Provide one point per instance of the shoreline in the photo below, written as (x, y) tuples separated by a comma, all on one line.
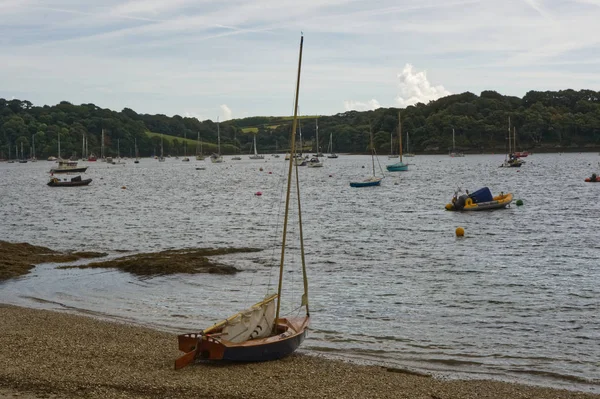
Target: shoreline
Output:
[(52, 354)]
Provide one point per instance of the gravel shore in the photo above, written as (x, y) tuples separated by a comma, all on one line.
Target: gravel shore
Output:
[(45, 354)]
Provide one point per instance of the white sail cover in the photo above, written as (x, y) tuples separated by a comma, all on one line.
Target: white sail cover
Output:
[(256, 322)]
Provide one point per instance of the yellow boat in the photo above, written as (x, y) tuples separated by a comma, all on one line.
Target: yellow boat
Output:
[(478, 201)]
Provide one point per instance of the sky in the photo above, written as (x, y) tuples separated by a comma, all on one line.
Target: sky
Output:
[(233, 59)]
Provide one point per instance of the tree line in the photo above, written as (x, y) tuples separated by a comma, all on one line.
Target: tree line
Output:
[(543, 121)]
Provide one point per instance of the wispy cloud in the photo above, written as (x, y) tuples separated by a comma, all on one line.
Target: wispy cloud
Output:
[(179, 56), (226, 113), (350, 105)]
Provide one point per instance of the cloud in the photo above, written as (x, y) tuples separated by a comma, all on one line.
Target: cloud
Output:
[(226, 113), (350, 105), (415, 88)]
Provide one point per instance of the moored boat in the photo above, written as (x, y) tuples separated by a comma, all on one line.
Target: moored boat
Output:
[(75, 181), (480, 200), (592, 179), (65, 166)]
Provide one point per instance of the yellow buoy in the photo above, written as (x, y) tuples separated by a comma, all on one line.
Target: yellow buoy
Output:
[(460, 232)]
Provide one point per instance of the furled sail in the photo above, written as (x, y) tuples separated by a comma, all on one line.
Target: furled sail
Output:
[(256, 322)]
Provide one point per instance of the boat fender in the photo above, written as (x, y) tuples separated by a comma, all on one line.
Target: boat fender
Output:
[(468, 202)]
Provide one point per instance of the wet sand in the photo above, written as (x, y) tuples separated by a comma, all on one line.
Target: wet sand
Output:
[(46, 354)]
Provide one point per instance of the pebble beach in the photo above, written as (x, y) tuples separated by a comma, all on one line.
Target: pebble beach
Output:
[(49, 354)]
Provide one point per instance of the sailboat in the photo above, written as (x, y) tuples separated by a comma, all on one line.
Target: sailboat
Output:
[(119, 160), (454, 153), (258, 333), (319, 153), (398, 166), (392, 155), (330, 148), (102, 157), (162, 157), (185, 157), (217, 158), (256, 155), (276, 155), (511, 160), (22, 160), (16, 156), (373, 180), (408, 153), (199, 156), (236, 157), (299, 157), (137, 156), (33, 158)]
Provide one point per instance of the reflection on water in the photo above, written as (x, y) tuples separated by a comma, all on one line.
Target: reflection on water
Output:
[(517, 298)]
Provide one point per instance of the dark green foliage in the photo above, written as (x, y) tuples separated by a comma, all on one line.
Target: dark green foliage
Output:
[(543, 120)]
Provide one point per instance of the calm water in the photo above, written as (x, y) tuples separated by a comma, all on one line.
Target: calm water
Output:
[(517, 299)]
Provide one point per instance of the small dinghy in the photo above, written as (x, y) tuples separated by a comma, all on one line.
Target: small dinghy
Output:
[(593, 179)]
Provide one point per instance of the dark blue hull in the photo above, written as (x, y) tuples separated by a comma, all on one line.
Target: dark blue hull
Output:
[(261, 353)]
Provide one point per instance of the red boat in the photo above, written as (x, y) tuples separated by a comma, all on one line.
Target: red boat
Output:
[(92, 158), (521, 154)]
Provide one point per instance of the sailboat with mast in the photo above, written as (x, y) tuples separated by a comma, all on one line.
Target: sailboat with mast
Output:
[(162, 156), (258, 333), (319, 153), (217, 157), (330, 148), (398, 166), (199, 155), (511, 160), (185, 157), (137, 155), (373, 180), (454, 153), (237, 156), (392, 155), (256, 155), (408, 153)]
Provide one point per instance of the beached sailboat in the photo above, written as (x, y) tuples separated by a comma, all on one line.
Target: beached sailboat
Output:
[(373, 180), (256, 155), (217, 158), (258, 333), (454, 153), (330, 148), (398, 166)]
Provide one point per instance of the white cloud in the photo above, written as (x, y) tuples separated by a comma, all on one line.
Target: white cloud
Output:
[(350, 105), (415, 88), (226, 113)]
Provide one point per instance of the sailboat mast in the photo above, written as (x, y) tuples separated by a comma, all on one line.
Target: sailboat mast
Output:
[(317, 124), (372, 150), (82, 145), (59, 145), (287, 198), (399, 136), (219, 138), (509, 151), (102, 146), (514, 139), (33, 141)]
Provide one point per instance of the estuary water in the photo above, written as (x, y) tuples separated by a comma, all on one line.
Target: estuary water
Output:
[(518, 298)]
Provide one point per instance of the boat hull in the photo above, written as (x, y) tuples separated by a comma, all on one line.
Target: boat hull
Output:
[(397, 167), (85, 182), (71, 170), (367, 183), (292, 332), (499, 202)]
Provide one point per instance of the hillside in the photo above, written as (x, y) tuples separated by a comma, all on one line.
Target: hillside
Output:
[(544, 121)]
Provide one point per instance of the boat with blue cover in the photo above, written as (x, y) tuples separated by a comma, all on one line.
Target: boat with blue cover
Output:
[(480, 200)]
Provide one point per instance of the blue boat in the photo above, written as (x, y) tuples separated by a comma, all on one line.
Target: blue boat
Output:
[(398, 166), (370, 182)]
